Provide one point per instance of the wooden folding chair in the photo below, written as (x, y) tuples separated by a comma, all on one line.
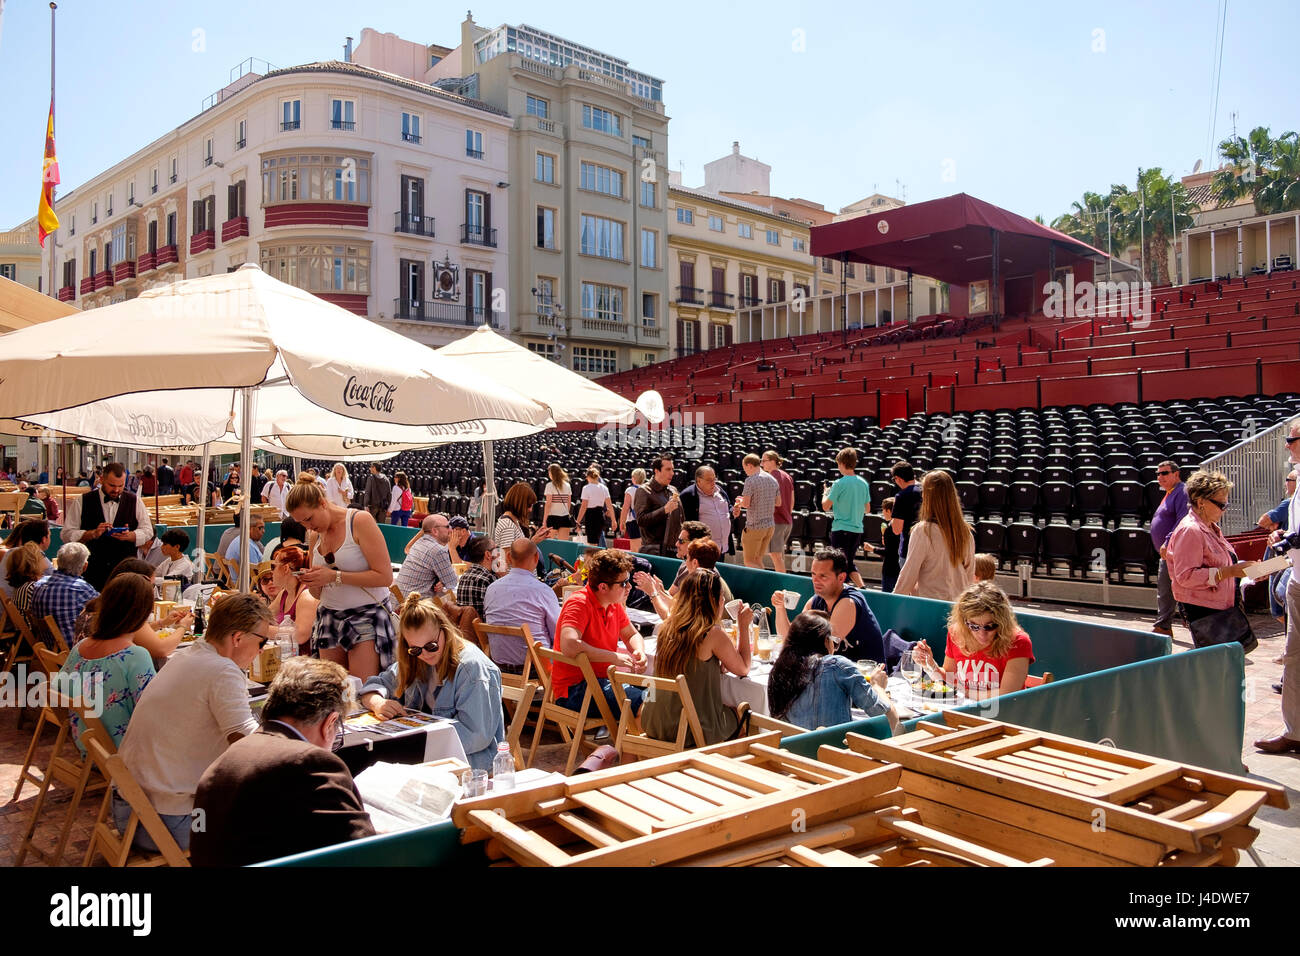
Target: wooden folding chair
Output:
[(73, 771), (106, 841), (396, 592), (56, 634), (572, 724), (49, 715), (518, 690), (631, 740), (23, 648), (1033, 681)]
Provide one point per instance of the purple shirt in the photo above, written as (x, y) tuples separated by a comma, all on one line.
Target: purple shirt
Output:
[(1168, 515)]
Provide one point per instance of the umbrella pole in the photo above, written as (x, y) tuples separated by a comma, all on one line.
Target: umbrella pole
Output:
[(245, 486), (202, 550), (489, 489)]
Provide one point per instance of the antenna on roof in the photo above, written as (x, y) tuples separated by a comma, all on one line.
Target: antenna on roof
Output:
[(1197, 168)]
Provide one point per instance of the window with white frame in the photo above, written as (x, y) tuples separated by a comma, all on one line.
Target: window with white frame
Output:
[(410, 127), (716, 224), (744, 230), (94, 212), (717, 335), (331, 178), (647, 194), (649, 249), (536, 106), (685, 215), (108, 204), (9, 270), (602, 121), (172, 177), (545, 228), (649, 309), (130, 192), (544, 349), (545, 295), (601, 237), (343, 114), (595, 361), (290, 114), (545, 168), (688, 336), (773, 237), (241, 134), (600, 179), (207, 151), (153, 180), (473, 144), (641, 141), (799, 244), (319, 268), (602, 302)]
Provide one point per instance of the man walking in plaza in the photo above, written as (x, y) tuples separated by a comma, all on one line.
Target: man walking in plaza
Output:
[(783, 517), (758, 500), (658, 509), (1172, 509), (379, 492)]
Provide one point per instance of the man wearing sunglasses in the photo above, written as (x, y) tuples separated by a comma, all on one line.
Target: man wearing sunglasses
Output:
[(1289, 739), (196, 707), (282, 790), (593, 622), (1172, 510)]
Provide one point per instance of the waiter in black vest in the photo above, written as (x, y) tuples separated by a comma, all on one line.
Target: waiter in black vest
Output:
[(92, 517)]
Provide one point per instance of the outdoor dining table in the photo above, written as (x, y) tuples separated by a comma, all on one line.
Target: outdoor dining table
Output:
[(363, 747)]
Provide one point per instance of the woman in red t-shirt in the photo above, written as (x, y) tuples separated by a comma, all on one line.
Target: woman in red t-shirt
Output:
[(985, 644)]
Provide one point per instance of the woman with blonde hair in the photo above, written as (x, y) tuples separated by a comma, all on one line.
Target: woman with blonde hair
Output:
[(986, 647), (693, 645), (559, 501), (627, 527), (24, 567), (350, 575), (438, 672), (940, 559), (338, 488)]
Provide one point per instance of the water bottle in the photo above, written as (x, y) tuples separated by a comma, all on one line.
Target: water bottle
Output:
[(287, 640), (503, 769)]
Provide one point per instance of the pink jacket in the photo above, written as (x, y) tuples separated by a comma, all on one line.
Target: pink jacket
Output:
[(1194, 552)]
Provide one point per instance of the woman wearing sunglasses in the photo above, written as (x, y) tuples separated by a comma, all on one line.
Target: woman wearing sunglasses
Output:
[(1202, 565), (986, 647), (437, 671), (350, 575), (693, 645)]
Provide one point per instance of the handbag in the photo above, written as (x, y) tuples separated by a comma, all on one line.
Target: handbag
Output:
[(1224, 627)]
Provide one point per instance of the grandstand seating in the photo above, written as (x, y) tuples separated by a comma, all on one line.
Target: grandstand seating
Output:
[(1069, 485)]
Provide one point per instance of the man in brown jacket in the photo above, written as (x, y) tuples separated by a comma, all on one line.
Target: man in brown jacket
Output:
[(281, 790)]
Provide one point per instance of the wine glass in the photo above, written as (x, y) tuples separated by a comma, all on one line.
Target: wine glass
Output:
[(910, 668)]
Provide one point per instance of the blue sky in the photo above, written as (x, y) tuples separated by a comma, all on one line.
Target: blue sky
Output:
[(1025, 105)]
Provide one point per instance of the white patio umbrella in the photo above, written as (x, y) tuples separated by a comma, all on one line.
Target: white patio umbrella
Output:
[(21, 307), (240, 331), (570, 397)]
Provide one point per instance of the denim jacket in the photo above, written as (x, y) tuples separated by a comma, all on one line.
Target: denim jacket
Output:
[(472, 699), (836, 686)]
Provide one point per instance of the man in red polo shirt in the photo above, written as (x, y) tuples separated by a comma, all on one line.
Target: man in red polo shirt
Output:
[(592, 622)]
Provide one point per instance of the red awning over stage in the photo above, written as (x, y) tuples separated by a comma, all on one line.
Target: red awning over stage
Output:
[(950, 239)]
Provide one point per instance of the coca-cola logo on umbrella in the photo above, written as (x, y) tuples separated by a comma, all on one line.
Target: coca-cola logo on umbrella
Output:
[(146, 426), (378, 397)]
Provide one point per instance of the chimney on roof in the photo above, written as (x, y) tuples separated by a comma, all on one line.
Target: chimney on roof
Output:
[(735, 147), (347, 50)]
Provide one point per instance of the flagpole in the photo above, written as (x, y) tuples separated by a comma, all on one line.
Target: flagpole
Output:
[(54, 246)]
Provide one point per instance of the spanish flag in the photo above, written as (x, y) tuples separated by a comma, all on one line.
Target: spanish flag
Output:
[(46, 220)]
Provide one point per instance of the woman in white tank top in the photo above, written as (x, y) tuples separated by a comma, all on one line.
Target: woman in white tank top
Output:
[(350, 575)]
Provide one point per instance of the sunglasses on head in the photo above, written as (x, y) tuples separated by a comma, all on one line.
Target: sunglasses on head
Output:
[(986, 628)]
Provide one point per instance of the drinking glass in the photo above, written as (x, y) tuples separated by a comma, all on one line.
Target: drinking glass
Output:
[(474, 783), (910, 668)]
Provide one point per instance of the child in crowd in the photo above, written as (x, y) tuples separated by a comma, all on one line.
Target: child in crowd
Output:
[(890, 543), (986, 567)]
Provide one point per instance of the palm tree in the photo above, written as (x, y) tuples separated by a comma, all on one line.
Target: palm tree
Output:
[(1086, 221), (1154, 215), (1261, 167)]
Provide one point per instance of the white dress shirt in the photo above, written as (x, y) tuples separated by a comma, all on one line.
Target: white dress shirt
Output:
[(71, 530), (274, 494)]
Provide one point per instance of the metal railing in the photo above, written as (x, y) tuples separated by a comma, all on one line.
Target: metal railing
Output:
[(690, 295), (446, 313), (476, 235), (413, 224), (1256, 467)]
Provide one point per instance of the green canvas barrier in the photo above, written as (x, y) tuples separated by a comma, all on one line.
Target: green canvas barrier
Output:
[(1185, 707), (435, 845)]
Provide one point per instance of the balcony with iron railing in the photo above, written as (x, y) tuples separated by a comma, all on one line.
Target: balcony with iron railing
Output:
[(689, 295), (446, 313), (750, 301), (475, 235), (411, 138), (343, 124), (412, 224), (721, 300)]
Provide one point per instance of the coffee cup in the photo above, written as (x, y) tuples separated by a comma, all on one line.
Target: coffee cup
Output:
[(791, 599)]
